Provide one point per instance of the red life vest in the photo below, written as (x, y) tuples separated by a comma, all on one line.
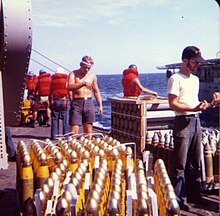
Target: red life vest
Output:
[(58, 85), (44, 84), (130, 89), (31, 83)]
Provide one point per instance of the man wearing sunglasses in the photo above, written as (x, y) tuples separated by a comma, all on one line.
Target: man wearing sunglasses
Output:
[(183, 89)]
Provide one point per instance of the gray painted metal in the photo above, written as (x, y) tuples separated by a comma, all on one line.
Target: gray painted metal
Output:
[(15, 51), (3, 153)]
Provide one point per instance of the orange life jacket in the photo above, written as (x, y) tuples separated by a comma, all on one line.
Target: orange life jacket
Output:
[(43, 84), (58, 85), (130, 89), (31, 83)]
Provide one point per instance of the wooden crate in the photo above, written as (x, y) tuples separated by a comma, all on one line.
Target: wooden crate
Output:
[(131, 118)]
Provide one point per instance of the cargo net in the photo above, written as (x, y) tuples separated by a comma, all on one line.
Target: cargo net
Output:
[(97, 176)]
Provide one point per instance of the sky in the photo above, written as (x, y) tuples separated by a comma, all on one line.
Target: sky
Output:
[(117, 33)]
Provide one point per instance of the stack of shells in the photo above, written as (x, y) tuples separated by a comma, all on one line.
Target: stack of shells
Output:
[(80, 175), (161, 145), (166, 198)]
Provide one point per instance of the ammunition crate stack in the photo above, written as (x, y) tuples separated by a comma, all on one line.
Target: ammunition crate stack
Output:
[(132, 117)]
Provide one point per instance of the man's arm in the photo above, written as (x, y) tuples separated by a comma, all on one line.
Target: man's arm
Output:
[(36, 89), (97, 95), (143, 89), (50, 94), (182, 107), (72, 85)]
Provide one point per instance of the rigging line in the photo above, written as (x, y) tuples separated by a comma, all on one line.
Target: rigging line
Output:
[(42, 65), (50, 59)]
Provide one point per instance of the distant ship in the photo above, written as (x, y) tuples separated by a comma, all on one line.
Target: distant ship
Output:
[(209, 79)]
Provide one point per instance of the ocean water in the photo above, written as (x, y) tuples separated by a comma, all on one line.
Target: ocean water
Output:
[(110, 86)]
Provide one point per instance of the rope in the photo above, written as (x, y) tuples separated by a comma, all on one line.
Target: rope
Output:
[(42, 65), (50, 59)]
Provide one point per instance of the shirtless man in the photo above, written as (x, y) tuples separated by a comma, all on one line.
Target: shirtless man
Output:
[(82, 83)]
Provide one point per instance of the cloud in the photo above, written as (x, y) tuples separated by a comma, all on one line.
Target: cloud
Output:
[(58, 13), (112, 8), (67, 13), (54, 21)]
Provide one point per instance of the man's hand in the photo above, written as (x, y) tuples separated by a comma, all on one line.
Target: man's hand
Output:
[(215, 100), (88, 83), (155, 94), (202, 106), (100, 111)]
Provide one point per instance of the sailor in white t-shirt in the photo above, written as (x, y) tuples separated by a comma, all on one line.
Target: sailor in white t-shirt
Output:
[(187, 90), (183, 89)]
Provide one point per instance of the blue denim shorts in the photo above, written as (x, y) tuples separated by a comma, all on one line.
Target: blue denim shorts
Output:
[(82, 111)]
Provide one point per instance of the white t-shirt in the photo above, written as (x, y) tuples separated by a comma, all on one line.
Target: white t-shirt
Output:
[(186, 88)]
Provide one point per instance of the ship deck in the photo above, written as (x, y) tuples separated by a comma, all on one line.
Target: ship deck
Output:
[(8, 195)]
